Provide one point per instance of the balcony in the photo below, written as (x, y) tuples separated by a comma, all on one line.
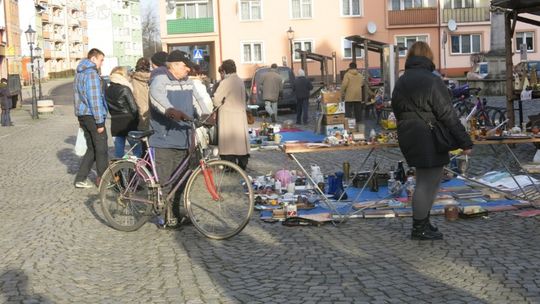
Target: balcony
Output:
[(45, 17), (83, 22), (58, 20), (85, 39), (190, 26), (46, 35), (47, 54), (460, 15), (413, 17)]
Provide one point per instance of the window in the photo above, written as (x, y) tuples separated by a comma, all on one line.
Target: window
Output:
[(351, 8), (250, 10), (525, 38), (300, 9), (304, 45), (458, 3), (407, 41), (193, 9), (397, 5), (465, 44), (252, 52), (347, 50)]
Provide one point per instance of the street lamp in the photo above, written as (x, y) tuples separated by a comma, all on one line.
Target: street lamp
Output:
[(37, 51), (30, 38), (290, 35)]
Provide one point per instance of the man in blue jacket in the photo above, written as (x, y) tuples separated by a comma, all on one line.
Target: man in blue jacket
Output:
[(91, 111), (171, 102)]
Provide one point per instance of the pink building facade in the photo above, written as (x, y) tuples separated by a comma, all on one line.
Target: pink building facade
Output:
[(254, 32)]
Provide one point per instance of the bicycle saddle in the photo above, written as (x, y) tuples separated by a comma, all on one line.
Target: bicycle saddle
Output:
[(140, 134)]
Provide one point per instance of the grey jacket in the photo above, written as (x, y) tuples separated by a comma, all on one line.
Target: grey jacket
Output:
[(168, 92)]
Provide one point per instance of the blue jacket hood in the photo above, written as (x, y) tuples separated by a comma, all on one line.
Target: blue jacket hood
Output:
[(86, 64)]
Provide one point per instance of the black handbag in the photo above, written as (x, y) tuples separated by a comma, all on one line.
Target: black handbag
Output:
[(442, 138)]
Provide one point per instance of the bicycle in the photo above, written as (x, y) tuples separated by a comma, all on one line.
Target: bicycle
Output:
[(484, 114), (218, 195)]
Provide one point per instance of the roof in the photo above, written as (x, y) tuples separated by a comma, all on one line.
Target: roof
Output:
[(373, 45), (520, 6), (313, 56)]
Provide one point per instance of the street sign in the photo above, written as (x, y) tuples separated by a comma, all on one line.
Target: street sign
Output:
[(197, 54)]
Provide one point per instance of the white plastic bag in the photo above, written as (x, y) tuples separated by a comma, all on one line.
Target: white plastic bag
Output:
[(536, 158), (80, 143)]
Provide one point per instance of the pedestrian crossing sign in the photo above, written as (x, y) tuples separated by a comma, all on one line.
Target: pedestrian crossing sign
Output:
[(197, 54)]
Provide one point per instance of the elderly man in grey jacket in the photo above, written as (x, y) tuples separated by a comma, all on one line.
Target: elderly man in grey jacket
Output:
[(171, 102), (271, 84)]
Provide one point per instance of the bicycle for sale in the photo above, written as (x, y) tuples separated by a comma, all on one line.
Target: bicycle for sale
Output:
[(218, 195), (484, 114)]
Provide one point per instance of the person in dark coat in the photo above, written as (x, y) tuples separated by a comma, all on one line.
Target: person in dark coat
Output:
[(302, 88), (419, 89), (123, 110), (5, 103)]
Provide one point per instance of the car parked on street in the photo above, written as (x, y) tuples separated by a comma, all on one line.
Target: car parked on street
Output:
[(287, 99), (374, 76)]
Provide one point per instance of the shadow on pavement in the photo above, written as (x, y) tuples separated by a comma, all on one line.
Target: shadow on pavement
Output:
[(93, 203), (14, 288), (68, 158)]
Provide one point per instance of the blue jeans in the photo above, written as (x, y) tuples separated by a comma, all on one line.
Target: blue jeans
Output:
[(120, 146)]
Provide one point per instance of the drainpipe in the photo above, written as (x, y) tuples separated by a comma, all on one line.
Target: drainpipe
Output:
[(219, 35)]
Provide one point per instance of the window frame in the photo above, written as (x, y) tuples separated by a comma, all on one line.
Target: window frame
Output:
[(402, 5), (350, 15), (250, 11), (301, 10), (196, 2), (461, 43), (303, 41), (416, 36), (454, 6), (532, 33), (343, 56), (252, 43)]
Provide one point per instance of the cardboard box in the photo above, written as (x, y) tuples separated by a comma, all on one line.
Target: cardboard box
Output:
[(333, 108), (331, 96), (332, 119), (351, 124), (330, 130)]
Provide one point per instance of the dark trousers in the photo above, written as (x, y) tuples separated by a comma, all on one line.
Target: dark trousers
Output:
[(353, 110), (96, 150), (6, 118), (166, 162), (428, 181), (240, 160), (302, 110)]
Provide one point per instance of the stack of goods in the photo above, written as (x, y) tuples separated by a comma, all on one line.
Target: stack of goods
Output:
[(333, 119)]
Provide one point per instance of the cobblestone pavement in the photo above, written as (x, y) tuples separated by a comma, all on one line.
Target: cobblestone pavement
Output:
[(56, 248)]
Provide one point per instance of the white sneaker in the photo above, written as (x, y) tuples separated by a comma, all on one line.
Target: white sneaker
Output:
[(84, 185)]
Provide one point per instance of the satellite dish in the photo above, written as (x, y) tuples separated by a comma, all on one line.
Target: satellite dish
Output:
[(371, 27), (452, 25)]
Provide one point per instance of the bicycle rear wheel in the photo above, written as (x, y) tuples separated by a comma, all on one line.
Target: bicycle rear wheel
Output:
[(123, 190), (227, 216)]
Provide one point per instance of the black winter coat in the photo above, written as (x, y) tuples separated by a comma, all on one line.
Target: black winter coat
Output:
[(420, 89), (302, 87), (123, 109)]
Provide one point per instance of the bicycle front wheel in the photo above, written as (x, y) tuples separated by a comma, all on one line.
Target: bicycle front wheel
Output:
[(227, 212), (126, 193)]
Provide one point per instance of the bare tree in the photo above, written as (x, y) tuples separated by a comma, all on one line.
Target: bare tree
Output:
[(150, 31)]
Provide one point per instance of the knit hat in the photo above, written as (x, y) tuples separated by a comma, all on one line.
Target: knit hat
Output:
[(179, 56), (159, 58)]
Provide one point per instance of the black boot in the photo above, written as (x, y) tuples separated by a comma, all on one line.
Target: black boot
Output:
[(421, 231), (431, 226)]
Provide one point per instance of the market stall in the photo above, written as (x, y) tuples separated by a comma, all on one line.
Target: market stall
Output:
[(322, 200)]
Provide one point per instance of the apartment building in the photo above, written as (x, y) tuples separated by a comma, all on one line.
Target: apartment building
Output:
[(11, 41), (254, 32), (114, 26), (61, 34)]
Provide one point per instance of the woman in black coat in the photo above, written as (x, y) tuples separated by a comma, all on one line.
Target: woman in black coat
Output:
[(123, 110), (419, 89)]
